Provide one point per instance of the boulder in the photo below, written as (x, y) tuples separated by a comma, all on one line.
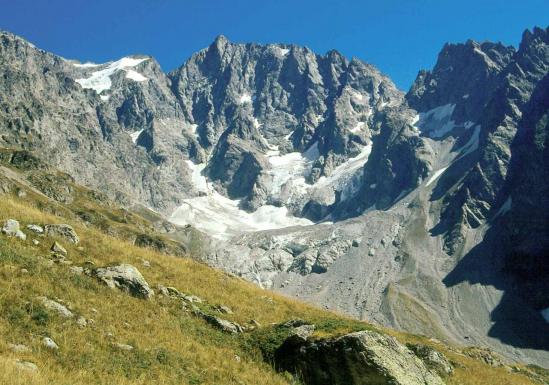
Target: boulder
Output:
[(57, 248), (300, 334), (49, 343), (219, 323), (360, 358), (224, 309), (56, 307), (126, 278), (62, 231), (11, 229), (81, 322), (125, 347), (26, 366), (222, 324)]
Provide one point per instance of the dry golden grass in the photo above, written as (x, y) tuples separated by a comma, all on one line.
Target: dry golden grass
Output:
[(171, 345)]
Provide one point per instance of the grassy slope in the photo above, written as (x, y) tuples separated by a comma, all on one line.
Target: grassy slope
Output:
[(171, 345)]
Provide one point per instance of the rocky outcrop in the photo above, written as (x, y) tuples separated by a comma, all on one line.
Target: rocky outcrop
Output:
[(126, 278), (359, 358)]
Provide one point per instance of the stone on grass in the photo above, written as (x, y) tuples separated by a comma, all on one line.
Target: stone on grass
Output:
[(57, 248), (120, 346), (62, 231), (10, 228), (81, 322), (26, 366), (224, 309), (126, 278), (49, 343), (19, 348), (52, 305)]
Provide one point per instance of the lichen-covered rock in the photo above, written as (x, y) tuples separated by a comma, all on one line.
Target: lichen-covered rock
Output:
[(62, 231), (361, 358), (126, 278)]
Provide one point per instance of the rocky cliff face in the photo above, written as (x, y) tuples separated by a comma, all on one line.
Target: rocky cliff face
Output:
[(257, 109), (315, 176)]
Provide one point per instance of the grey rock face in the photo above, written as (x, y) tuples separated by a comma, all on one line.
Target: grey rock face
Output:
[(250, 101), (126, 278), (359, 358)]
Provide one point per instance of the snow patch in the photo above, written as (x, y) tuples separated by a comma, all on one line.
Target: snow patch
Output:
[(221, 217), (85, 65), (133, 75), (435, 176), (244, 98), (436, 123), (291, 168), (100, 81), (281, 51), (105, 97), (345, 177), (358, 127), (256, 123), (472, 144), (135, 135)]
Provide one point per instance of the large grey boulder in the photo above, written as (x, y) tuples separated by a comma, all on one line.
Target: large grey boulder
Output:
[(361, 358), (11, 229), (126, 278), (62, 231)]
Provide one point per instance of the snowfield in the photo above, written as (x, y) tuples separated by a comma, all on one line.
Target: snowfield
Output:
[(100, 81)]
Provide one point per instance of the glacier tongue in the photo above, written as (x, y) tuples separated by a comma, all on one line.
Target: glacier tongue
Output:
[(221, 217)]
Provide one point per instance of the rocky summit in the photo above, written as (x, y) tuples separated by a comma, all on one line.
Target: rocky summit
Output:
[(308, 174)]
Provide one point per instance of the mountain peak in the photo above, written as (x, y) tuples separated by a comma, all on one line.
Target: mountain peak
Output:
[(221, 40)]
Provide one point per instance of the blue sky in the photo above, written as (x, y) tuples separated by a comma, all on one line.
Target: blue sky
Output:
[(398, 36)]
